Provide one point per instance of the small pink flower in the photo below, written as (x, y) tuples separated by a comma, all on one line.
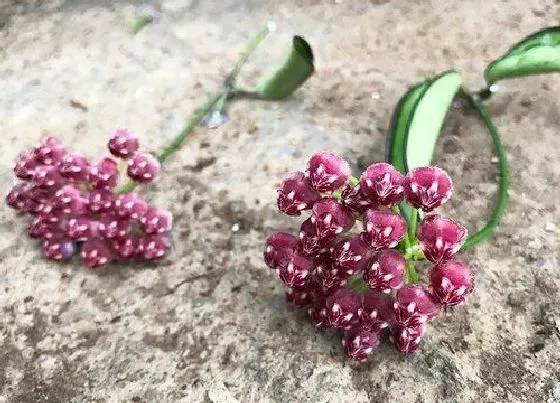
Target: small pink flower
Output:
[(296, 194), (331, 218), (377, 311), (74, 167), (279, 246), (47, 177), (299, 297), (24, 167), (58, 248), (143, 168), (122, 143), (130, 206), (95, 253), (44, 227), (127, 247), (100, 200), (18, 196), (451, 282), (383, 229), (154, 246), (81, 228), (70, 200), (49, 151), (104, 174), (359, 343), (294, 269), (440, 238), (386, 271), (383, 184), (111, 227), (156, 221), (351, 255), (327, 172), (414, 305), (427, 188), (407, 338), (342, 308), (310, 241), (327, 277), (355, 200), (318, 314)]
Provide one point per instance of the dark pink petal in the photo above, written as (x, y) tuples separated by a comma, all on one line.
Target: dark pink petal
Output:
[(71, 200), (130, 205), (24, 167), (122, 143), (386, 271), (451, 282), (299, 297), (101, 200), (47, 177), (331, 218), (351, 255), (74, 167), (104, 174), (354, 199), (95, 253), (327, 172), (415, 305), (359, 343), (127, 247), (156, 221), (279, 245), (294, 269), (49, 151), (427, 188), (81, 228), (111, 227), (377, 311), (407, 338), (383, 229), (440, 238), (154, 246), (143, 168), (383, 184), (58, 248), (296, 194), (18, 197), (342, 308), (310, 242)]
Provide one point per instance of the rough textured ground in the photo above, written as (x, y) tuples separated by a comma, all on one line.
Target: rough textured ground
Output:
[(210, 324)]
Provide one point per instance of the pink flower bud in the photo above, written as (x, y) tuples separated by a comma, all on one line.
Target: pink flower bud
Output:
[(407, 338), (383, 184), (70, 200), (377, 311), (279, 246), (294, 269), (130, 206), (143, 168), (49, 151), (359, 343), (318, 314), (24, 167), (58, 248), (383, 229), (386, 271), (154, 246), (451, 282), (18, 196), (44, 227), (440, 238), (296, 194), (104, 174), (101, 200), (331, 218), (156, 221), (95, 253), (355, 200), (327, 172), (80, 228), (122, 143), (342, 308), (414, 305), (299, 297), (427, 188), (327, 277), (127, 247), (351, 255), (47, 177), (74, 167), (111, 227), (311, 243)]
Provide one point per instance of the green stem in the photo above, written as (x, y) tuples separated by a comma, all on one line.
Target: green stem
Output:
[(499, 209), (412, 226), (216, 100), (411, 276)]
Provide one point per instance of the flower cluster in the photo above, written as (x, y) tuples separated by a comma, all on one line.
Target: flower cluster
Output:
[(362, 281), (74, 204)]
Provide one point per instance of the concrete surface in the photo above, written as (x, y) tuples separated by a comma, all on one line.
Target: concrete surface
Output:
[(209, 324)]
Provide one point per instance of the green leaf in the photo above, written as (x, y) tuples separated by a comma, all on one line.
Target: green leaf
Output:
[(290, 75), (538, 53), (418, 119)]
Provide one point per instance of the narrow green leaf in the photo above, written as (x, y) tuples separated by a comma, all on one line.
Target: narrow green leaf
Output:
[(290, 75), (418, 119), (537, 53)]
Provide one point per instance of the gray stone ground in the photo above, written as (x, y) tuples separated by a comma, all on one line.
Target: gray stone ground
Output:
[(209, 324)]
